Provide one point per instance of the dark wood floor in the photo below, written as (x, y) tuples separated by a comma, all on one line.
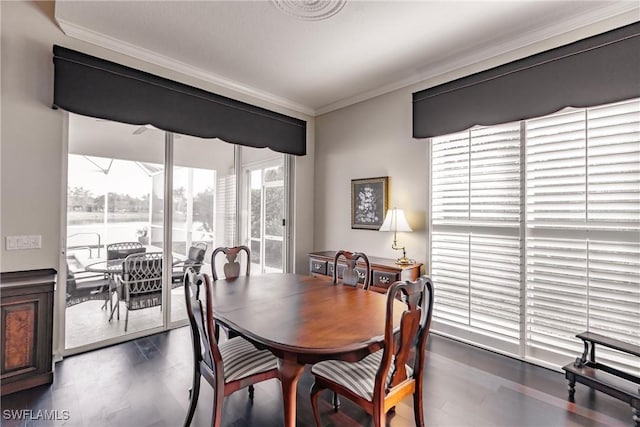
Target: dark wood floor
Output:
[(145, 382)]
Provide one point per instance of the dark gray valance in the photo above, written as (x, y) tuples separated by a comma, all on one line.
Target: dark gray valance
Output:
[(95, 87), (593, 71)]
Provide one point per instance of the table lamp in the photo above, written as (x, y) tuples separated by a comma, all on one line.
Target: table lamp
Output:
[(396, 221)]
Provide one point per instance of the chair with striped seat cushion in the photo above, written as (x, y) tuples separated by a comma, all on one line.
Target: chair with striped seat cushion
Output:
[(227, 367), (381, 380), (359, 377), (241, 359), (352, 274)]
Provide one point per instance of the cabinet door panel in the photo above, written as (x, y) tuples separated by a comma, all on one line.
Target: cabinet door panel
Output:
[(19, 332)]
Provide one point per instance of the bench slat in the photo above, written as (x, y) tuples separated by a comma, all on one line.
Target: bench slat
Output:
[(610, 342)]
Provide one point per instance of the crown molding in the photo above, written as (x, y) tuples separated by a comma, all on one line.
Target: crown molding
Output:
[(619, 13), (107, 42)]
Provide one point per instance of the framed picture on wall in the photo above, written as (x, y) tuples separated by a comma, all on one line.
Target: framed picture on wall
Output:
[(369, 201)]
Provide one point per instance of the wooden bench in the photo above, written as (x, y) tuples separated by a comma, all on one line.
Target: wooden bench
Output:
[(614, 382)]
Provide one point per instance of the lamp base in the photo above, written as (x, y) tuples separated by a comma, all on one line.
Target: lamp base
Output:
[(404, 261)]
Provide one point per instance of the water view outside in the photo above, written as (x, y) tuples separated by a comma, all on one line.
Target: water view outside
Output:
[(107, 201), (133, 194)]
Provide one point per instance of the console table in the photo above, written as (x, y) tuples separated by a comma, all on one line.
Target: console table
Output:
[(26, 310), (384, 271)]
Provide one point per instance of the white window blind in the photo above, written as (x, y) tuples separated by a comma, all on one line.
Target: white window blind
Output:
[(556, 298), (476, 177), (583, 188), (583, 169), (613, 167), (475, 244), (536, 256)]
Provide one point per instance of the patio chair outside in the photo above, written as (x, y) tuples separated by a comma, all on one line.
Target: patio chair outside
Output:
[(195, 259), (140, 283), (85, 286)]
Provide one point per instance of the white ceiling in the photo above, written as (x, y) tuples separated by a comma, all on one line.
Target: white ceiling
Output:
[(368, 48)]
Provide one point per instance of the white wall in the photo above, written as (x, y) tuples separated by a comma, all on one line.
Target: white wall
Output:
[(366, 140), (33, 134)]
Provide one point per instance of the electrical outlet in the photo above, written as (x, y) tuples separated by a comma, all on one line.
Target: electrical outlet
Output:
[(14, 243)]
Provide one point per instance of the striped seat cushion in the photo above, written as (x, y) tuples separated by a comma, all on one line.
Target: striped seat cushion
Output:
[(241, 359), (359, 377)]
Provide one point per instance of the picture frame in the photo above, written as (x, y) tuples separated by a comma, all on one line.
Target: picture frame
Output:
[(369, 202)]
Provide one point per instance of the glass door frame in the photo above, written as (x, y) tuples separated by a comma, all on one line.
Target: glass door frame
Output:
[(243, 195)]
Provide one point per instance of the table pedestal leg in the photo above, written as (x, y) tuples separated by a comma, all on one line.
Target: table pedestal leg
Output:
[(290, 372)]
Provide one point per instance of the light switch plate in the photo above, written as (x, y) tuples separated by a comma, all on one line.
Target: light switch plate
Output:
[(14, 243)]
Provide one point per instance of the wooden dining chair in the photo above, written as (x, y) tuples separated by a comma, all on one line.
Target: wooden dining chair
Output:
[(232, 268), (140, 283), (349, 274), (382, 379), (227, 367)]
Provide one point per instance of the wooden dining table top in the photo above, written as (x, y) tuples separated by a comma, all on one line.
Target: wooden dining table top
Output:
[(302, 316)]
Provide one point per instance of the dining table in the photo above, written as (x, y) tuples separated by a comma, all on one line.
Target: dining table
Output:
[(111, 268), (114, 266), (301, 320)]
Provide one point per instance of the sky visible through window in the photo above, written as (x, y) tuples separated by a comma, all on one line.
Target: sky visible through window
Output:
[(123, 177)]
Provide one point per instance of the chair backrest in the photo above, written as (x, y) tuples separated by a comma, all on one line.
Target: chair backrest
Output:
[(121, 250), (195, 257), (142, 273), (411, 338), (201, 245), (351, 276), (232, 267), (205, 346)]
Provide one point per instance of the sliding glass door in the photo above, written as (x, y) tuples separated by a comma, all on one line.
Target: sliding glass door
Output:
[(115, 196), (125, 183)]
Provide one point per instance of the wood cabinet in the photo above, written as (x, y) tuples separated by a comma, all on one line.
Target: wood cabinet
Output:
[(384, 271), (26, 312)]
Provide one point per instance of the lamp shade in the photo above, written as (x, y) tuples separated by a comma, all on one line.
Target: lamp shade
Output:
[(395, 221)]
